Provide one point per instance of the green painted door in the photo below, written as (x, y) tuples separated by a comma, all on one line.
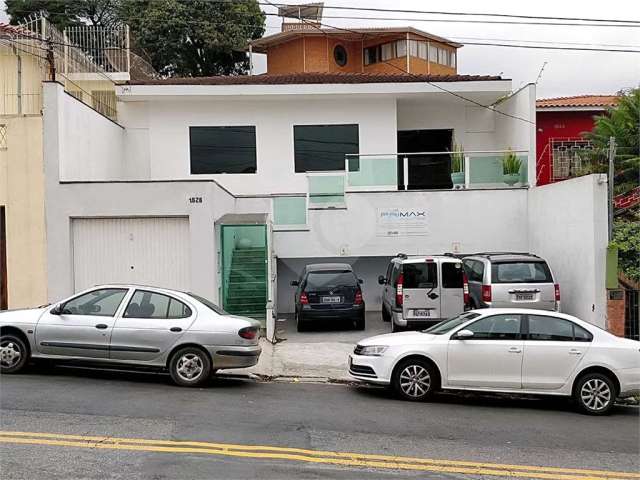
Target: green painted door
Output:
[(244, 269)]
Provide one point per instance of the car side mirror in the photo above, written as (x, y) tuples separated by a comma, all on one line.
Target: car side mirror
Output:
[(57, 310), (382, 280), (464, 334), (360, 281), (294, 283)]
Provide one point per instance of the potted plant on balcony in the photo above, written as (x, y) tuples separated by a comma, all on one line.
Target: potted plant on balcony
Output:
[(511, 168), (457, 165)]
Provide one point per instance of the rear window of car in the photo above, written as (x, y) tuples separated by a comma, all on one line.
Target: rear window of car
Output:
[(419, 275), (520, 272), (330, 278), (208, 303)]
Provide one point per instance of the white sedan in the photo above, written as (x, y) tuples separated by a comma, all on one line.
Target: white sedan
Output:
[(505, 350)]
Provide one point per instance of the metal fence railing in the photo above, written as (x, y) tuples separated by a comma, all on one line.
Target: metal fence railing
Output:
[(36, 51)]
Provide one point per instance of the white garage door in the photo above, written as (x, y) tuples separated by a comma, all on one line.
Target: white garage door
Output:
[(149, 251)]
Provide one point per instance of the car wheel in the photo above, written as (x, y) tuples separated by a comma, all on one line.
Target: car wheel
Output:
[(595, 394), (14, 354), (300, 324), (190, 367), (415, 379), (360, 323), (385, 315), (395, 327)]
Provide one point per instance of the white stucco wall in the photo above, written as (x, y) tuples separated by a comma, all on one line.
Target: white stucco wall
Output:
[(92, 143), (157, 139), (567, 223), (517, 130), (473, 220)]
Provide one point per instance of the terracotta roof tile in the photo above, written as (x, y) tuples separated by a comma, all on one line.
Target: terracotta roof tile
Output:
[(599, 101), (12, 30), (315, 78)]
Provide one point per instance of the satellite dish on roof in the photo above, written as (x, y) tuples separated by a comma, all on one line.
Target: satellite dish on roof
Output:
[(309, 11)]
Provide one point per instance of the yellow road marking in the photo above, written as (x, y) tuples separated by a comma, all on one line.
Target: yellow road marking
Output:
[(313, 456)]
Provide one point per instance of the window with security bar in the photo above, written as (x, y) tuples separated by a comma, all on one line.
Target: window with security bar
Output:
[(570, 157)]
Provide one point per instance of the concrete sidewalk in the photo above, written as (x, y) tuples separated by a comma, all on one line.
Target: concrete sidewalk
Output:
[(319, 354)]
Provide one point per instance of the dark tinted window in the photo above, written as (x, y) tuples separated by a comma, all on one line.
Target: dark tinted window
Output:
[(395, 273), (223, 149), (420, 275), (496, 327), (146, 304), (323, 147), (340, 55), (330, 278), (452, 275), (371, 55), (520, 272), (556, 330), (100, 303)]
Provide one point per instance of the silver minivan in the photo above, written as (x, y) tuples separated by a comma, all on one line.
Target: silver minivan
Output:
[(507, 280), (420, 291)]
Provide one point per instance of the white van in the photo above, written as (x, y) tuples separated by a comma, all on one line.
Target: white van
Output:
[(420, 291)]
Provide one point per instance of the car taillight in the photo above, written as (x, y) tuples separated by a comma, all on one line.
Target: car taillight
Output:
[(465, 288), (486, 293), (399, 290), (248, 333), (358, 299), (304, 300), (557, 289)]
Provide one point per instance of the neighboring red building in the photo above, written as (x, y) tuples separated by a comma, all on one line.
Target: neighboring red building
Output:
[(560, 124)]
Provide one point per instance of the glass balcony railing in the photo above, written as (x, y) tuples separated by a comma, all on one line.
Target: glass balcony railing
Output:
[(289, 213), (326, 190), (437, 171)]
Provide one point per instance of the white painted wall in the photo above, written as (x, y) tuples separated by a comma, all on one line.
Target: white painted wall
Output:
[(474, 219), (519, 133), (92, 143), (567, 223), (158, 135)]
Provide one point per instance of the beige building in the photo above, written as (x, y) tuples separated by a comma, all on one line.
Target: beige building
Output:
[(24, 66)]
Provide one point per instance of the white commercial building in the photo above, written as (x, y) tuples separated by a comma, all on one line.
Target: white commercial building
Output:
[(228, 186)]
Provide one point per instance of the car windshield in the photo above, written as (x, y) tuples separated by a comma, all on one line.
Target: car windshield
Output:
[(521, 272), (448, 325), (208, 304), (330, 279)]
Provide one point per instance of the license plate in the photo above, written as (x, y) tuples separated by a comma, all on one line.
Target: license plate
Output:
[(524, 296), (422, 313), (331, 299)]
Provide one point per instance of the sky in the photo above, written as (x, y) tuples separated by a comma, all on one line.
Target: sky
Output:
[(565, 73)]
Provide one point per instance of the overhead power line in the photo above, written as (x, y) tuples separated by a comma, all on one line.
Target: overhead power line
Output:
[(469, 14)]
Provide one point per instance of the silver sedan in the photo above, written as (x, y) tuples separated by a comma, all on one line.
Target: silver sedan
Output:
[(132, 325)]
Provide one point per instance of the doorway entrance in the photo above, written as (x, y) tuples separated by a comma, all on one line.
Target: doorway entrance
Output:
[(426, 172), (244, 272)]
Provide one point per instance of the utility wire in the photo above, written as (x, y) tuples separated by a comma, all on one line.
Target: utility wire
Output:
[(428, 12)]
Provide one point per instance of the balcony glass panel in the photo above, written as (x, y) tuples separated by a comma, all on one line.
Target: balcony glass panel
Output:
[(487, 170), (326, 191), (373, 171), (290, 212)]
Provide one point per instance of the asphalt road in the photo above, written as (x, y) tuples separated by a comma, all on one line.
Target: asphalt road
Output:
[(135, 425)]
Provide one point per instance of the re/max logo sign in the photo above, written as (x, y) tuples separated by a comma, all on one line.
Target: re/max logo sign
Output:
[(396, 214)]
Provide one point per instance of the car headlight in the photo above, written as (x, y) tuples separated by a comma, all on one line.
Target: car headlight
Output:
[(373, 350)]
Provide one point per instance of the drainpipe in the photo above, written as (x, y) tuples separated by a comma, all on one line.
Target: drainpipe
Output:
[(250, 59), (407, 47)]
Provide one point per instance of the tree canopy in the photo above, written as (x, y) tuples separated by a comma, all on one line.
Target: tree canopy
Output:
[(623, 123), (179, 37)]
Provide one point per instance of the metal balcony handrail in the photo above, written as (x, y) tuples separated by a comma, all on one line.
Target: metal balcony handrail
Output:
[(465, 152)]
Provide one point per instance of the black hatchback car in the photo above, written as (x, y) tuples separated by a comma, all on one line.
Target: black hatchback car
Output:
[(328, 291)]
